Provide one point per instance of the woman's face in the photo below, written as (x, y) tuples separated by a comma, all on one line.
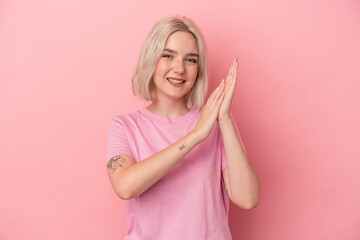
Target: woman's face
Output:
[(176, 71)]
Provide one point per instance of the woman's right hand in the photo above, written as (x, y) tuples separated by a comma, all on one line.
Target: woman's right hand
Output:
[(210, 112)]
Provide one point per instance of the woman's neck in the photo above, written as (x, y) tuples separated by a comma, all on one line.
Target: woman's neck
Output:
[(171, 110)]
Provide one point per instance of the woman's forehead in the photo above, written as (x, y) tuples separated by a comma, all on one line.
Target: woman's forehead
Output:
[(181, 42)]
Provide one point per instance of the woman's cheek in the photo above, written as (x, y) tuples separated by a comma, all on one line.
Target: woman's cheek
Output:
[(193, 72), (162, 66)]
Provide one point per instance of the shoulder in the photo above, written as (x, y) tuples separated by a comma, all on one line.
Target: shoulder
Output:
[(125, 118)]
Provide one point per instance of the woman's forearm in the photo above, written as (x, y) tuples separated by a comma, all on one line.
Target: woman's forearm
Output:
[(244, 184), (142, 175)]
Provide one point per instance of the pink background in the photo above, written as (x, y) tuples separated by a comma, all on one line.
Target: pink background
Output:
[(65, 70)]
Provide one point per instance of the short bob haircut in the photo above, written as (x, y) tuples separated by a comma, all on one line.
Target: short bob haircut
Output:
[(142, 84)]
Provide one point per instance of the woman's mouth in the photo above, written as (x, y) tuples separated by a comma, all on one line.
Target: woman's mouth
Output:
[(176, 82)]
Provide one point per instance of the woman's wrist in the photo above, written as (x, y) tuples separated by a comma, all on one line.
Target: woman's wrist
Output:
[(224, 119), (196, 136)]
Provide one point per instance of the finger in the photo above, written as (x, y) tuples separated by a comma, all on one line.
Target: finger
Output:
[(219, 93), (235, 65), (220, 100), (236, 69), (232, 68)]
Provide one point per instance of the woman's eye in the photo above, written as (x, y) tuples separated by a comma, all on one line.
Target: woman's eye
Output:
[(167, 56), (192, 60)]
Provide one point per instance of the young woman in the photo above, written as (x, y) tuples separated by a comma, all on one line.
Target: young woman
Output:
[(177, 161)]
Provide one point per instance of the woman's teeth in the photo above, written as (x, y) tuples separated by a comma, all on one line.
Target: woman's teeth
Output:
[(175, 81)]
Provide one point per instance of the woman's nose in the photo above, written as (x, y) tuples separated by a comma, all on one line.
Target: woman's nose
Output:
[(179, 66)]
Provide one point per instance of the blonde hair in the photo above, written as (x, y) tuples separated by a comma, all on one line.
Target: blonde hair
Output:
[(142, 85)]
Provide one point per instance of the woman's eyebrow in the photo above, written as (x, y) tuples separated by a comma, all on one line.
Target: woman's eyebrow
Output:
[(173, 51)]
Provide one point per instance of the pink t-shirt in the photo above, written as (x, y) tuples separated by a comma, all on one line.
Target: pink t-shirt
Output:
[(190, 202)]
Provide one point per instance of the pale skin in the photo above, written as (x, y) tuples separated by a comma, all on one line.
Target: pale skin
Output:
[(130, 179)]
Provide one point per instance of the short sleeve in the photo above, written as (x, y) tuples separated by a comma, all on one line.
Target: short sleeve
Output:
[(117, 143), (222, 147)]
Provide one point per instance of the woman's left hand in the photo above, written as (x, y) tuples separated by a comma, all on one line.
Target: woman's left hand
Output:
[(229, 90)]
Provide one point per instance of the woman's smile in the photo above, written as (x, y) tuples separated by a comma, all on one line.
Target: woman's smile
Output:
[(176, 82)]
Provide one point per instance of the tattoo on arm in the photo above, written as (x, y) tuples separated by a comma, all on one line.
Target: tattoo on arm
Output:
[(182, 146), (116, 162)]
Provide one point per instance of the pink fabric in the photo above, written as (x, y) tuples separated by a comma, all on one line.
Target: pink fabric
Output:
[(190, 201)]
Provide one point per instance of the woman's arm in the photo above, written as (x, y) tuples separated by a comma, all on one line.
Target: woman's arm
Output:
[(241, 181), (130, 179), (138, 177)]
